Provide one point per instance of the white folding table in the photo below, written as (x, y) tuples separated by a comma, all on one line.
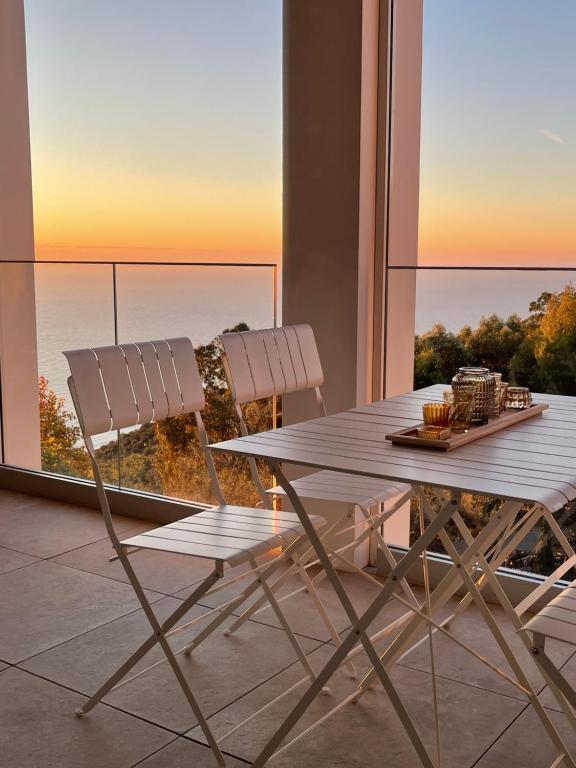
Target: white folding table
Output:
[(531, 467)]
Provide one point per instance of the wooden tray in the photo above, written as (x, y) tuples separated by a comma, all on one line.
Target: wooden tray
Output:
[(507, 419)]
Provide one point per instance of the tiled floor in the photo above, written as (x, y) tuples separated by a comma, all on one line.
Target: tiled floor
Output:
[(68, 617)]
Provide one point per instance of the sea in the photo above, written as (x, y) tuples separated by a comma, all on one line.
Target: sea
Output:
[(75, 308), (75, 304)]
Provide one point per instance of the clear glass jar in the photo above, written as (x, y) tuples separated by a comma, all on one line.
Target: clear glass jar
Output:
[(484, 385)]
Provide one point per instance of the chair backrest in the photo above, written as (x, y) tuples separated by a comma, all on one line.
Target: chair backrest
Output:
[(271, 362), (131, 384)]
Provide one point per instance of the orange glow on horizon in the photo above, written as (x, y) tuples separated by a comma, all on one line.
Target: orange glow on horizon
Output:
[(496, 232), (152, 216)]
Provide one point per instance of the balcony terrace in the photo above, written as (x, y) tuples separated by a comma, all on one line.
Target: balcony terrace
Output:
[(312, 177), (68, 617)]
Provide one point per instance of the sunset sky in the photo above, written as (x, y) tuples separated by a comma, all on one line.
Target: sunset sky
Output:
[(156, 130), (498, 183), (156, 124)]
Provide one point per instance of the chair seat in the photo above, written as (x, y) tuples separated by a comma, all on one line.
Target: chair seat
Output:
[(227, 533), (351, 489), (558, 618)]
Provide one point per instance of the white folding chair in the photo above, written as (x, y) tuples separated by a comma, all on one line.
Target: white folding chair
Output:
[(557, 621), (131, 384), (277, 361)]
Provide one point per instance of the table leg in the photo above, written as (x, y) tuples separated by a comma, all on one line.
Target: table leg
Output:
[(448, 585), (502, 598), (360, 626)]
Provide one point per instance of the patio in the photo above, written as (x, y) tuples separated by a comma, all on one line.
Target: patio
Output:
[(67, 617)]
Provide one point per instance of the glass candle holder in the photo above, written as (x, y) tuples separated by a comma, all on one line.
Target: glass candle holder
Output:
[(497, 402), (518, 398), (461, 407), (484, 383), (436, 414), (503, 395)]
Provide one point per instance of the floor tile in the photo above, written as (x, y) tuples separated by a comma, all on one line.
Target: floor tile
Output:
[(10, 560), (44, 604), (84, 662), (45, 528), (161, 571), (220, 670), (10, 500), (40, 731), (526, 743), (369, 732), (184, 753), (301, 611), (454, 662), (72, 620)]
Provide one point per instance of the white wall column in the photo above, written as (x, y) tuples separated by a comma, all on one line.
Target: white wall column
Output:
[(402, 230), (18, 351), (403, 196), (345, 149)]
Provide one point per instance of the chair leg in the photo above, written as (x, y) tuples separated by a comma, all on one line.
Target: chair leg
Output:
[(261, 603), (322, 612), (562, 690), (173, 661), (159, 637), (388, 556), (254, 585), (148, 644), (230, 608), (286, 627)]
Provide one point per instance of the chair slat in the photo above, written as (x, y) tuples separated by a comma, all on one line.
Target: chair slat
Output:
[(258, 364), (310, 356), (118, 386), (273, 361), (92, 402), (285, 359), (551, 627), (269, 338), (155, 383), (188, 375), (125, 385), (169, 378), (241, 381), (139, 383), (296, 357), (566, 615)]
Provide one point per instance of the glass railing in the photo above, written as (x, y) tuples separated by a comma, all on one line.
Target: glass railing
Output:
[(80, 304), (520, 322)]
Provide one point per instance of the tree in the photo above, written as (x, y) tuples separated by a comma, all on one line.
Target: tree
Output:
[(555, 346), (178, 459), (538, 352), (494, 343), (60, 436), (439, 354)]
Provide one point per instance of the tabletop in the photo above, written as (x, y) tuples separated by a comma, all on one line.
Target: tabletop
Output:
[(533, 461)]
